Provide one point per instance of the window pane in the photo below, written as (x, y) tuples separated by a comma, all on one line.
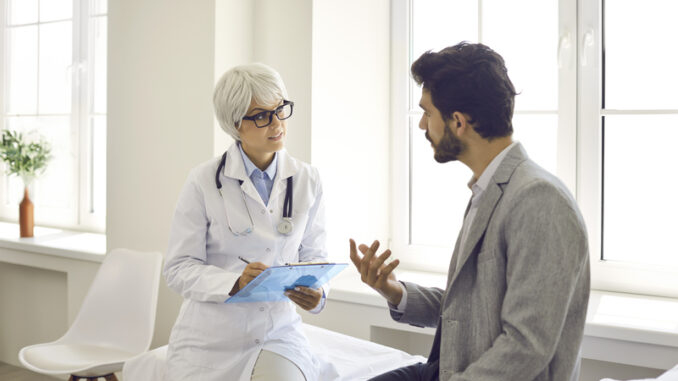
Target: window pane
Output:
[(99, 164), (99, 31), (98, 7), (538, 134), (56, 186), (55, 60), (639, 189), (640, 63), (437, 190), (529, 46), (51, 10), (23, 63), (432, 29), (23, 11)]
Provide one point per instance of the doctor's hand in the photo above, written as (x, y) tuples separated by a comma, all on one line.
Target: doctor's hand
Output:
[(307, 298), (250, 272), (374, 273)]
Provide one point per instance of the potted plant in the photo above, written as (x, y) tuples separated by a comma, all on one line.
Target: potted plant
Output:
[(26, 159)]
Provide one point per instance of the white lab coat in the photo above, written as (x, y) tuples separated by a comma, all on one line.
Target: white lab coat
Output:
[(215, 341)]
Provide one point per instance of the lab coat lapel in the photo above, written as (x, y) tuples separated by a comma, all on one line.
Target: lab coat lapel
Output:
[(488, 203), (287, 167), (235, 169)]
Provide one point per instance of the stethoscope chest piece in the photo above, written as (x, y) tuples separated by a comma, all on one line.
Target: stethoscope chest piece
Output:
[(285, 226)]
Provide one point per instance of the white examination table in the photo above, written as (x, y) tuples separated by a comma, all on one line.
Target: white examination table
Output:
[(354, 359)]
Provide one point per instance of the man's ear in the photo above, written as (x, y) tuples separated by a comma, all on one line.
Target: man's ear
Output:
[(461, 122)]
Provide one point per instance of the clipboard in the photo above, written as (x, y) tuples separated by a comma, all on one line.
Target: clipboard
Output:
[(271, 284)]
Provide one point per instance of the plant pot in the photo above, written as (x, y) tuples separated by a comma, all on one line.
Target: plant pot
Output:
[(26, 216)]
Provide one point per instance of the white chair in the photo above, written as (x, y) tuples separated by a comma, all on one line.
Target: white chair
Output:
[(114, 324)]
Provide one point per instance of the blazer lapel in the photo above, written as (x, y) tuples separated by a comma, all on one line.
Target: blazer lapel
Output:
[(487, 203)]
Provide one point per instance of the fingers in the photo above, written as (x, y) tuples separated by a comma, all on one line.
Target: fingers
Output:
[(256, 266), (355, 258), (385, 273), (251, 271), (306, 298), (375, 268), (367, 259)]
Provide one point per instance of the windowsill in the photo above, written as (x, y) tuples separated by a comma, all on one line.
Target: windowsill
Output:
[(55, 242), (624, 328)]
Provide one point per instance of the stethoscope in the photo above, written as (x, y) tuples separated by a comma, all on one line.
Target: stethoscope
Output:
[(284, 227)]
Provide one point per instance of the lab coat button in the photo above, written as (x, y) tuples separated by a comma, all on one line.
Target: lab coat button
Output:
[(261, 309), (270, 211), (257, 341), (268, 249), (263, 211)]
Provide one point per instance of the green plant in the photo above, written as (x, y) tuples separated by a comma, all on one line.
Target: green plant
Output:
[(23, 158)]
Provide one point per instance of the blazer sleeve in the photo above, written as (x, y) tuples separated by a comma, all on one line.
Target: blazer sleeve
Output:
[(186, 270), (547, 281), (423, 306)]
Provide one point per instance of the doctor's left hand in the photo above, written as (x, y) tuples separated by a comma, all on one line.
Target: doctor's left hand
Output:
[(306, 298)]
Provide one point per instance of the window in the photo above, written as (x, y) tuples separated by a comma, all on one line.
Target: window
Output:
[(54, 84), (596, 107)]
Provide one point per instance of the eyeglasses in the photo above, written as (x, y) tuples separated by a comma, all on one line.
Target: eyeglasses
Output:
[(265, 118)]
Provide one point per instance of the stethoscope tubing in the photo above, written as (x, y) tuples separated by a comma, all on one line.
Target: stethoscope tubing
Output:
[(287, 206)]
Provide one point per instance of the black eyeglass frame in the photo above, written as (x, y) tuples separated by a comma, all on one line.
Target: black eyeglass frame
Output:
[(271, 113)]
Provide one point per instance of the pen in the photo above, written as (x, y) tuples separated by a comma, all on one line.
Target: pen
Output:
[(243, 259)]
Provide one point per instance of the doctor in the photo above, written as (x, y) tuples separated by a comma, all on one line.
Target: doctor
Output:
[(254, 206)]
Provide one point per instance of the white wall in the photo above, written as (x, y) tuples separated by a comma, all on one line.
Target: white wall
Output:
[(233, 45), (160, 124), (282, 39), (350, 141)]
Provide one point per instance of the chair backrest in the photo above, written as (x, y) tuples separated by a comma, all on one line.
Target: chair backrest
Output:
[(119, 309)]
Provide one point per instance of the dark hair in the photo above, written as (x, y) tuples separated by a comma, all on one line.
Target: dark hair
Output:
[(469, 78)]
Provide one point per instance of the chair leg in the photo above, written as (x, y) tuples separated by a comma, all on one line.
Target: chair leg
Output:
[(107, 377)]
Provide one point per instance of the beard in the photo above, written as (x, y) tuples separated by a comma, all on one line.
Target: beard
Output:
[(448, 148)]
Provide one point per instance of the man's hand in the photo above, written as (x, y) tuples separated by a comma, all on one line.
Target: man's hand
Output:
[(306, 298), (374, 273)]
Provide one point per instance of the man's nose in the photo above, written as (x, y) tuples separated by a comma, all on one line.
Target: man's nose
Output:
[(422, 123)]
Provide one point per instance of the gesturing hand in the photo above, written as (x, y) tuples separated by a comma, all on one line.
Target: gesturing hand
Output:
[(307, 298), (374, 273)]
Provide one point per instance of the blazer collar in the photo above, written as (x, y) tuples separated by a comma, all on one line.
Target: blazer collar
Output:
[(488, 202)]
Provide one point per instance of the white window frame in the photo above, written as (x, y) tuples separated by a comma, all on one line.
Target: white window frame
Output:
[(82, 216), (579, 160)]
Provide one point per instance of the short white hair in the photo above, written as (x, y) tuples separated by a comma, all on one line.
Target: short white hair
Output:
[(236, 89)]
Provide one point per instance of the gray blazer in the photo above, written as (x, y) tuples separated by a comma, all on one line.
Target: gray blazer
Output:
[(515, 306)]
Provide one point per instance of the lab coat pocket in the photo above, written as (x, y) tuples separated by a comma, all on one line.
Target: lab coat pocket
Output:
[(218, 336)]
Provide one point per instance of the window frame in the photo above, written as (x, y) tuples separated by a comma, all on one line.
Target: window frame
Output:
[(82, 216), (579, 155)]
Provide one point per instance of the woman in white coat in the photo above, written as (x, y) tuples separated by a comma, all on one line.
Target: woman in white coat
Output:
[(233, 207)]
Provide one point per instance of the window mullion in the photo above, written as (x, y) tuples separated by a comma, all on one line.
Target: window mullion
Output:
[(589, 142), (80, 113), (567, 93)]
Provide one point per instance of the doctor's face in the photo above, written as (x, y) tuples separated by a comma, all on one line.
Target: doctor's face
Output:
[(262, 141), (446, 146)]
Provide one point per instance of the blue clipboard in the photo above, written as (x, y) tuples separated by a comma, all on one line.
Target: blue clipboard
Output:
[(271, 284)]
